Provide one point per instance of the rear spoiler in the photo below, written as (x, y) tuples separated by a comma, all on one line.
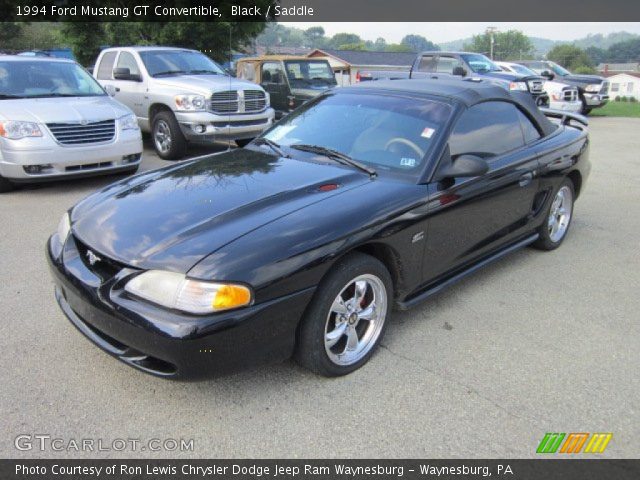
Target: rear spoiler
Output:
[(565, 117)]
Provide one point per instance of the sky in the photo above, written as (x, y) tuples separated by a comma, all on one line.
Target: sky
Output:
[(439, 32)]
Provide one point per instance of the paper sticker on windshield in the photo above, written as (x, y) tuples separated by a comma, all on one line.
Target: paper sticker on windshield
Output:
[(408, 162), (427, 132)]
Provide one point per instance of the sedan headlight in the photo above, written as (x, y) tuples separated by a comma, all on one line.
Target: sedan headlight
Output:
[(190, 102), (16, 130), (593, 88), (128, 122), (520, 86), (64, 227), (176, 291)]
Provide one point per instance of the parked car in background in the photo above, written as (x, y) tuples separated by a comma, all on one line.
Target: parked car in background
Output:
[(364, 199), (592, 89), (561, 95), (57, 122), (50, 52), (181, 96), (476, 65), (290, 81)]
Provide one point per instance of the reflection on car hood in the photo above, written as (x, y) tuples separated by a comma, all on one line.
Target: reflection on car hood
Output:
[(206, 84), (310, 92), (173, 217), (62, 109)]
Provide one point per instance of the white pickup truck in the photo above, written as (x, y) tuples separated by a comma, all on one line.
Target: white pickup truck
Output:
[(183, 96)]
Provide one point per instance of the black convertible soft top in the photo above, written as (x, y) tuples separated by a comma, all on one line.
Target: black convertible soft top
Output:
[(467, 92)]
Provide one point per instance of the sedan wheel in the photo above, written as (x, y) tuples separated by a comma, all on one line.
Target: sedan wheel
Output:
[(355, 320), (346, 319)]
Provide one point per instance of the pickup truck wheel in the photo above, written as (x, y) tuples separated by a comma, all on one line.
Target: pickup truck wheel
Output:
[(168, 140), (558, 219), (586, 109), (244, 142), (345, 320), (5, 185)]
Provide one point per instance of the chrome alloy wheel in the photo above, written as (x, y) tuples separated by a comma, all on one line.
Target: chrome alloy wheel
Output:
[(162, 136), (355, 320), (560, 214)]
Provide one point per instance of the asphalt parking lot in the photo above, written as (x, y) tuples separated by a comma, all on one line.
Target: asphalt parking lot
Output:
[(539, 342)]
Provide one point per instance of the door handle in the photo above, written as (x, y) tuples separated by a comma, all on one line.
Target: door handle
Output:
[(526, 179)]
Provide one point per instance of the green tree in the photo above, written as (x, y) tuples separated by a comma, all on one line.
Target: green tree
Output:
[(509, 45), (380, 44), (344, 39), (622, 52), (397, 47), (569, 56), (9, 31), (315, 37), (353, 46), (417, 43)]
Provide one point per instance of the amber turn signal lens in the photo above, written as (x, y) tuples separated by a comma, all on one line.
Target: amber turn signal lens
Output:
[(231, 296)]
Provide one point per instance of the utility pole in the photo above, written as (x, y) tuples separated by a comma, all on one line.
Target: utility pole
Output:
[(491, 31)]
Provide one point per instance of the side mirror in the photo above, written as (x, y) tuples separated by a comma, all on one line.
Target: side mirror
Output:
[(464, 166), (459, 71), (110, 89), (125, 74), (547, 74)]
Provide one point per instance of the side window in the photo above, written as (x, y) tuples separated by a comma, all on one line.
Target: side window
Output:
[(529, 130), (126, 60), (427, 64), (247, 71), (106, 66), (486, 130), (447, 64), (272, 73)]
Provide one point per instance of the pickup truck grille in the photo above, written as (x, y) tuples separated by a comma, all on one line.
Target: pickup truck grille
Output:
[(536, 86), (238, 101), (570, 94), (81, 134)]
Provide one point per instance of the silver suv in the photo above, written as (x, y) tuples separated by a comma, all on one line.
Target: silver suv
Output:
[(56, 121), (182, 96)]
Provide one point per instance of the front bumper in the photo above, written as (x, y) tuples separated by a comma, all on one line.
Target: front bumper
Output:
[(67, 161), (206, 127), (162, 342), (575, 107), (595, 99)]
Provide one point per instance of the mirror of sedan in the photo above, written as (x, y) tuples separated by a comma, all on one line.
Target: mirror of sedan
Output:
[(464, 166)]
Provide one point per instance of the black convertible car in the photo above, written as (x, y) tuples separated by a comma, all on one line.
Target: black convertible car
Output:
[(365, 199)]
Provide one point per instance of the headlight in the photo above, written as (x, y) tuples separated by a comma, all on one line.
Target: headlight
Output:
[(521, 86), (128, 122), (267, 98), (17, 130), (64, 227), (176, 291), (190, 102), (594, 88)]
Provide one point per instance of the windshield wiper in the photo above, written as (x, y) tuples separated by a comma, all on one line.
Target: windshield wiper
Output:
[(4, 96), (168, 72), (200, 72), (271, 144), (335, 155)]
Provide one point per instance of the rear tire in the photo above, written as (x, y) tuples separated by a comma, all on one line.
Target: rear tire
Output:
[(168, 140), (558, 219), (6, 185), (346, 318), (244, 142)]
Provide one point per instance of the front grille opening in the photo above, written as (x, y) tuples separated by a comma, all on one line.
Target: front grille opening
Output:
[(155, 365), (104, 267), (88, 166), (240, 123), (234, 101), (82, 134)]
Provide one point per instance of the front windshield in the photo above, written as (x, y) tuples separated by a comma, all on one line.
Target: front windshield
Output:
[(303, 73), (177, 62), (521, 69), (41, 79), (387, 132), (480, 64)]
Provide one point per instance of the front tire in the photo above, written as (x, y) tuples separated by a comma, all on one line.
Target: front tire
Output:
[(346, 319), (168, 139), (558, 220), (586, 109), (6, 185)]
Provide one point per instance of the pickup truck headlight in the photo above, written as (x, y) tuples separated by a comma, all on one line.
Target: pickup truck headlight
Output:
[(190, 103), (520, 86), (267, 99), (176, 291), (593, 88), (128, 122), (64, 227), (15, 130)]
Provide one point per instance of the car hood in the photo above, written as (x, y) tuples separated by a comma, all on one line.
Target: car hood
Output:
[(581, 79), (206, 84), (62, 109), (310, 92), (173, 217)]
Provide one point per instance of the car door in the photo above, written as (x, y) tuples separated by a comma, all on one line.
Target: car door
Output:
[(473, 217), (132, 93), (274, 82)]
